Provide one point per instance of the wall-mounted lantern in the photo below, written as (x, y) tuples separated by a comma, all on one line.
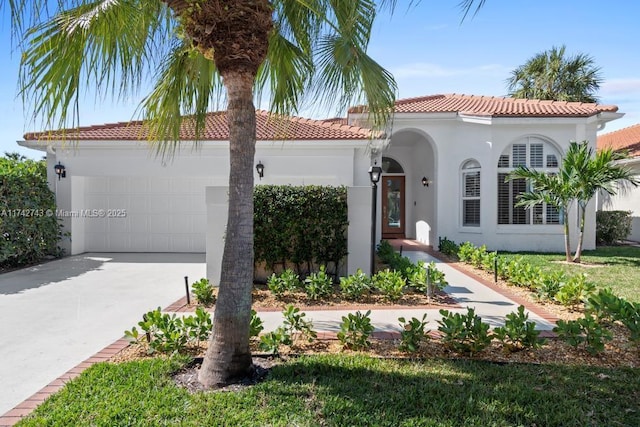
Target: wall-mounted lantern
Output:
[(60, 170), (260, 170), (425, 181)]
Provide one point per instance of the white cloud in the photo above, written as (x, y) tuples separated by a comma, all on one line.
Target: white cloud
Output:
[(619, 87)]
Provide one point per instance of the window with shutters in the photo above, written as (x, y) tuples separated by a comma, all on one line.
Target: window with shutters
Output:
[(471, 194), (534, 153)]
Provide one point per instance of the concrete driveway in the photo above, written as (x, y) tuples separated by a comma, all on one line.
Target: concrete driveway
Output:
[(57, 314)]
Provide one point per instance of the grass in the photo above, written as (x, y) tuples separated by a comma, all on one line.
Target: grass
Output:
[(337, 390), (615, 267)]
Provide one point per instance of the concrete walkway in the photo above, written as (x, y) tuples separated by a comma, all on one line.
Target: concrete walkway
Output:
[(55, 315), (488, 303)]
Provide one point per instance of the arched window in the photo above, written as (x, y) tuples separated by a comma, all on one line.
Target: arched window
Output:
[(389, 165), (534, 153), (471, 193)]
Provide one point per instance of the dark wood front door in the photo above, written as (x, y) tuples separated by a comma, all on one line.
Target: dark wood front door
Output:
[(393, 205)]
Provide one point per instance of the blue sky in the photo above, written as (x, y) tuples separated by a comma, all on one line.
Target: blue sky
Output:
[(430, 51)]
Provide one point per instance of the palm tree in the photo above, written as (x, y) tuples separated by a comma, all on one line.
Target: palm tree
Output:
[(555, 190), (594, 173), (550, 75), (198, 52), (580, 177)]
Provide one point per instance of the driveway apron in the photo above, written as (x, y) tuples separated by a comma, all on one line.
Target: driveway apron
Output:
[(57, 314)]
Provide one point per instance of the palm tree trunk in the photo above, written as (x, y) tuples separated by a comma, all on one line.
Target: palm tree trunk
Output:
[(567, 240), (228, 355), (583, 210)]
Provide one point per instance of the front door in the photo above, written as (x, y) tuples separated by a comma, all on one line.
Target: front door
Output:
[(393, 221)]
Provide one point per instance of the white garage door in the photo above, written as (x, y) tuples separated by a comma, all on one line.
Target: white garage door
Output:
[(143, 214)]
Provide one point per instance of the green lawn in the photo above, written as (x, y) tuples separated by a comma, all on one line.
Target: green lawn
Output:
[(616, 267), (340, 390)]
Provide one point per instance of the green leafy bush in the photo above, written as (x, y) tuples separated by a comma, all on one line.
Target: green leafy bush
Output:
[(604, 305), (385, 251), (355, 286), (355, 330), (518, 332), (286, 281), (271, 342), (464, 333), (550, 284), (390, 283), (575, 290), (295, 323), (465, 252), (630, 317), (585, 330), (426, 278), (29, 228), (305, 226), (256, 325), (318, 285), (169, 333), (203, 291), (412, 333), (612, 226), (448, 247)]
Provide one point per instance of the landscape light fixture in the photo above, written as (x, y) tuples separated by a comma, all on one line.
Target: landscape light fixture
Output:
[(60, 170), (260, 169), (375, 172)]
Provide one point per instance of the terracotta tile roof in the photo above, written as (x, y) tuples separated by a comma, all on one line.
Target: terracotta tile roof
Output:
[(268, 128), (495, 106), (339, 120), (623, 139)]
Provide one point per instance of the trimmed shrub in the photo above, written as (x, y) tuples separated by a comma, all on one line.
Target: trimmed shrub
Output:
[(29, 228), (305, 226), (612, 226)]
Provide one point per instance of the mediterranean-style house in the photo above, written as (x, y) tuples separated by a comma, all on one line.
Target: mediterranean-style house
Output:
[(627, 139), (444, 160)]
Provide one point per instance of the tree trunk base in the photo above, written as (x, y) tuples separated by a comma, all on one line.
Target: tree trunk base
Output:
[(228, 367)]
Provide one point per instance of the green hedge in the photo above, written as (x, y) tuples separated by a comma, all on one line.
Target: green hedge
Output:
[(28, 224), (304, 226), (612, 226)]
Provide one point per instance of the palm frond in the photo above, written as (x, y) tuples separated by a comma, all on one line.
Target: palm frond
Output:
[(108, 46), (187, 86)]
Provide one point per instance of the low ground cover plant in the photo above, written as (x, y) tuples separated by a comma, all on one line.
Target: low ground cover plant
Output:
[(355, 286), (318, 284), (167, 333), (464, 333), (585, 331), (355, 330), (389, 283), (286, 281), (203, 291), (412, 333), (518, 333)]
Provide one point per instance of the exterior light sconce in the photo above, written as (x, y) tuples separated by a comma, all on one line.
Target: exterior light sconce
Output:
[(60, 170), (375, 172), (260, 170), (425, 181)]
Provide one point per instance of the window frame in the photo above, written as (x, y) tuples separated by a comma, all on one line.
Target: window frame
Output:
[(535, 216), (467, 169)]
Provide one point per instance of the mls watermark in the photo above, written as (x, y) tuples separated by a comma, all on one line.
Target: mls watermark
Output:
[(61, 213)]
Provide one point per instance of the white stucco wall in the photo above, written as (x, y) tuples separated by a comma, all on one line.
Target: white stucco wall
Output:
[(435, 146), (437, 149)]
